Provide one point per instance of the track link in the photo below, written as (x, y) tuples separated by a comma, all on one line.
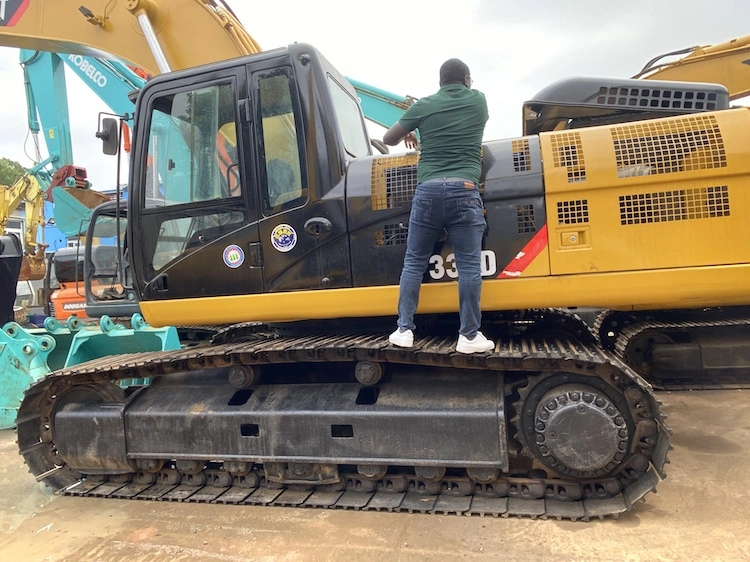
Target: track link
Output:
[(536, 493)]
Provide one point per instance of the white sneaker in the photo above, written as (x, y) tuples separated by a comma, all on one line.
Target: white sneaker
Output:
[(402, 339), (479, 344)]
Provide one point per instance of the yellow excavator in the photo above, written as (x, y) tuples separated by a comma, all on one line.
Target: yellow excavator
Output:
[(27, 192), (294, 241), (20, 261)]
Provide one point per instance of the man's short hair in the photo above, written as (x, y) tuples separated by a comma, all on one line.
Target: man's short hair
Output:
[(453, 71)]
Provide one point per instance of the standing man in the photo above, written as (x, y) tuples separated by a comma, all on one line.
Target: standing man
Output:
[(451, 125)]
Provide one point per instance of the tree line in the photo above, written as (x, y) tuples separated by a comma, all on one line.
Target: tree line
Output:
[(10, 171)]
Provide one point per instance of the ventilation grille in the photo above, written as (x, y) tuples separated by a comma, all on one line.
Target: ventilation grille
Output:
[(394, 181), (567, 153), (526, 219), (678, 205), (573, 212), (391, 235), (521, 155), (657, 98), (664, 147)]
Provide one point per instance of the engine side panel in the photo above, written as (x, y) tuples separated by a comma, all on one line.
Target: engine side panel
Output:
[(379, 195), (654, 195)]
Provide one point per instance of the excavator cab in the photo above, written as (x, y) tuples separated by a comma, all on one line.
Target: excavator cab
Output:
[(221, 178)]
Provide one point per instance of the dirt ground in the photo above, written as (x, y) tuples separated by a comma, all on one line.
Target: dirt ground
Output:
[(701, 512)]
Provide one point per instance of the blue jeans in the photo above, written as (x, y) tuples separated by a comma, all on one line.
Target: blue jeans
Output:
[(444, 204)]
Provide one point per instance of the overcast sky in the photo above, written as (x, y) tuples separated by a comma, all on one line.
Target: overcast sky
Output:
[(513, 48)]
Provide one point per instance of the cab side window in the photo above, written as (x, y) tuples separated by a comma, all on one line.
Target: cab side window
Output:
[(280, 148)]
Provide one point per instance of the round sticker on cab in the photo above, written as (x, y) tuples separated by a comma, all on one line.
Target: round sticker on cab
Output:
[(284, 237), (233, 256)]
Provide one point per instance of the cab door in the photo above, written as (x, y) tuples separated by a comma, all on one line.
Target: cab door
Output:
[(303, 223), (196, 230)]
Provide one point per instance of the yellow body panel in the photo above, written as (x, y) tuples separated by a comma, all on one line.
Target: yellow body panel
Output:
[(540, 266), (657, 194), (657, 289)]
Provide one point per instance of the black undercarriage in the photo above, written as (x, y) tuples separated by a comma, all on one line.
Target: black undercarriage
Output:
[(545, 425)]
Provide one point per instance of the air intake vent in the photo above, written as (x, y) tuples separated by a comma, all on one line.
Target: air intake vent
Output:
[(677, 205), (394, 181), (664, 147), (526, 219), (657, 98), (521, 155), (391, 235), (573, 212), (568, 153)]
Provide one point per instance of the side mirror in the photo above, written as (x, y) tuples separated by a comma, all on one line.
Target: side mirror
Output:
[(108, 134), (380, 145)]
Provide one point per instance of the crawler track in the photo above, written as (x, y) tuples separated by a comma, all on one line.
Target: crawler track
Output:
[(529, 366), (630, 336)]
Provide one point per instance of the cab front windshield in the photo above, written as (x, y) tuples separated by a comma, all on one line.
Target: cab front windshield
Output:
[(193, 192), (350, 120), (192, 148)]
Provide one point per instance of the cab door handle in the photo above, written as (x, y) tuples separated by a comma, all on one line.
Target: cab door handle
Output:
[(317, 227)]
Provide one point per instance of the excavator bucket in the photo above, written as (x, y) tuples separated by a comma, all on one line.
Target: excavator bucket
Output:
[(23, 361), (33, 266), (73, 197), (73, 207), (32, 269), (30, 354)]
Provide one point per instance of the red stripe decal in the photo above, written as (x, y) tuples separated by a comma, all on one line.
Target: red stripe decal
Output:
[(523, 258), (18, 13)]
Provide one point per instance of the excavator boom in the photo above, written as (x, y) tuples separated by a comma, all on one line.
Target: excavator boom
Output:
[(123, 30), (727, 63)]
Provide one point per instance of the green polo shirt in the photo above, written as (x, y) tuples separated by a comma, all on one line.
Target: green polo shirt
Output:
[(451, 125)]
